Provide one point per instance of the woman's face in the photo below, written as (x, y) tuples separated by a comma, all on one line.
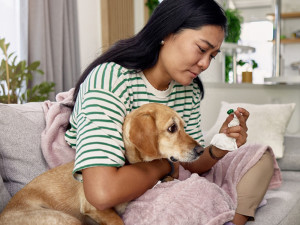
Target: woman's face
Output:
[(186, 54)]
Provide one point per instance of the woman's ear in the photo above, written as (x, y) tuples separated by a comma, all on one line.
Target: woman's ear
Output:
[(143, 134)]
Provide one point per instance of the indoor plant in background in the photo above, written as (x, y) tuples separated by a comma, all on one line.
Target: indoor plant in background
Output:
[(234, 21), (151, 4), (16, 76), (248, 67)]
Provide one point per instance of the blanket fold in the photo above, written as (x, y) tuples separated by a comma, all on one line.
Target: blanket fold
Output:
[(55, 149)]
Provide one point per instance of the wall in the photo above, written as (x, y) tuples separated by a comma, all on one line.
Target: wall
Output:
[(89, 21)]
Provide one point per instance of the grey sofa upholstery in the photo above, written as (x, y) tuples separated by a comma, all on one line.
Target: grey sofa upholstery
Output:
[(283, 204), (21, 160)]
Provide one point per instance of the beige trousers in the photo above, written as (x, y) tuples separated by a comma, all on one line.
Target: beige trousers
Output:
[(253, 186)]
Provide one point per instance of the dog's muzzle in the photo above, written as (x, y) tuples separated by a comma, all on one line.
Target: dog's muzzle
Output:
[(198, 150), (194, 154)]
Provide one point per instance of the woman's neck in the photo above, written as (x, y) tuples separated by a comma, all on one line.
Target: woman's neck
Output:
[(158, 79)]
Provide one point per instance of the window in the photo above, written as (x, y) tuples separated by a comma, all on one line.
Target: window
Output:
[(10, 25), (258, 35)]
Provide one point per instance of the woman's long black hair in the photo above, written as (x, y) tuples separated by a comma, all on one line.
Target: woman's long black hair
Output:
[(141, 51)]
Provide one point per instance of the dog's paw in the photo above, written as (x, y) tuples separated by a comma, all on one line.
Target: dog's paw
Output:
[(167, 179)]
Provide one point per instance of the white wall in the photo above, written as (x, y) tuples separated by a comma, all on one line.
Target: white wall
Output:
[(138, 15), (89, 20), (90, 39)]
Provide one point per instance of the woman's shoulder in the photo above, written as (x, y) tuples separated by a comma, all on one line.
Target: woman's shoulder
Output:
[(108, 75), (113, 68)]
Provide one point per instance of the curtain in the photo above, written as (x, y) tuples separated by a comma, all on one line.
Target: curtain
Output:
[(53, 40)]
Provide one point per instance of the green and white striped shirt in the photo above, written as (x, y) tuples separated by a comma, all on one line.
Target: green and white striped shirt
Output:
[(106, 96)]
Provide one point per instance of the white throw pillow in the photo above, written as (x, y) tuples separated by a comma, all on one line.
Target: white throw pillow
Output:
[(266, 125)]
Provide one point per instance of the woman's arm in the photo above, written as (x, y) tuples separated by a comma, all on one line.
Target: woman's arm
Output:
[(205, 162), (105, 186)]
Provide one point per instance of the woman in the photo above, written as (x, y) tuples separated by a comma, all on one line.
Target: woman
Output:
[(160, 64)]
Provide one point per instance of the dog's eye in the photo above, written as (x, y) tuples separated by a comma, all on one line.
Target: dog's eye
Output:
[(173, 128)]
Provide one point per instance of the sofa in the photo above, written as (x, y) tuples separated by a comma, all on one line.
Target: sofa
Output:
[(21, 160)]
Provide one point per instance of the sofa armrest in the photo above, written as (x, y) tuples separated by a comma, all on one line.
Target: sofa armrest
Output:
[(21, 158), (291, 156), (4, 195)]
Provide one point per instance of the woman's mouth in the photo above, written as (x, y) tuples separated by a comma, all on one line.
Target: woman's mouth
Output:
[(194, 74)]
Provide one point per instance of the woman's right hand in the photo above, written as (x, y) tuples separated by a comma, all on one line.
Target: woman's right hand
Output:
[(238, 132)]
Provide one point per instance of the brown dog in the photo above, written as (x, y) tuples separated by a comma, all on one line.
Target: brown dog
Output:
[(153, 131)]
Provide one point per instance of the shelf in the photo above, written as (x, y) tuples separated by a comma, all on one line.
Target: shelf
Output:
[(253, 86), (229, 47), (284, 80), (290, 15), (289, 41)]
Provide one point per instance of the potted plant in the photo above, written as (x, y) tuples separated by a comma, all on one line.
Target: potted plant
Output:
[(249, 66), (15, 77)]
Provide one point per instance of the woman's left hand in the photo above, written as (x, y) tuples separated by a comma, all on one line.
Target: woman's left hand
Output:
[(238, 132)]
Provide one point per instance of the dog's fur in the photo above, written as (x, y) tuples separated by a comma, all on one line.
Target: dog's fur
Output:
[(153, 131)]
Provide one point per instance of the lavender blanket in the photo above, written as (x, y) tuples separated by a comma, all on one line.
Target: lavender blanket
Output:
[(209, 199), (55, 149)]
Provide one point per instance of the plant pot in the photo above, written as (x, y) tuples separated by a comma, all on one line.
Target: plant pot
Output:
[(247, 77)]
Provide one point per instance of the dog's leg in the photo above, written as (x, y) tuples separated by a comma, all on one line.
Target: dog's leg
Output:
[(38, 217), (167, 179), (105, 217)]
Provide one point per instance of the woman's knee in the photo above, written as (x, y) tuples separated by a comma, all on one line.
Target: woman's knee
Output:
[(254, 184)]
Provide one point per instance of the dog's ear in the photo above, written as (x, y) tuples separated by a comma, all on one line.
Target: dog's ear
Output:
[(143, 134)]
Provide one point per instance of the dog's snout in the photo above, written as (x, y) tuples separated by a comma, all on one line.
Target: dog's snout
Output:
[(173, 159), (198, 150)]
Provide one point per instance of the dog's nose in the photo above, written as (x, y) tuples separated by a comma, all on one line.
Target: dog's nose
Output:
[(198, 150), (173, 159)]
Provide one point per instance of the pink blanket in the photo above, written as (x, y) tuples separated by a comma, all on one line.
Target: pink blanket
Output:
[(54, 147), (199, 200), (210, 199)]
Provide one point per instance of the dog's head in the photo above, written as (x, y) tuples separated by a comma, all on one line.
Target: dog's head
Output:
[(156, 131)]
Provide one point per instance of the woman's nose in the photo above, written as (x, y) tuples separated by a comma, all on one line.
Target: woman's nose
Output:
[(203, 63)]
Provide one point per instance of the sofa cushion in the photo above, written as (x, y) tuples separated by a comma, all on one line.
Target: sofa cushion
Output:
[(283, 204), (266, 125), (4, 195), (20, 153), (291, 158)]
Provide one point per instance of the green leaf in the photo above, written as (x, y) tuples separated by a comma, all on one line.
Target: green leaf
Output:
[(34, 65), (234, 21), (2, 42), (151, 4), (14, 60), (254, 64), (40, 71)]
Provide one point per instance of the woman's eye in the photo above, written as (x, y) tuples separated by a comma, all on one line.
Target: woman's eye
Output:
[(201, 49), (213, 57), (172, 128)]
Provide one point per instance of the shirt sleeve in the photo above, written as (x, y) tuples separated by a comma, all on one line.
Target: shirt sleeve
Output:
[(99, 129)]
